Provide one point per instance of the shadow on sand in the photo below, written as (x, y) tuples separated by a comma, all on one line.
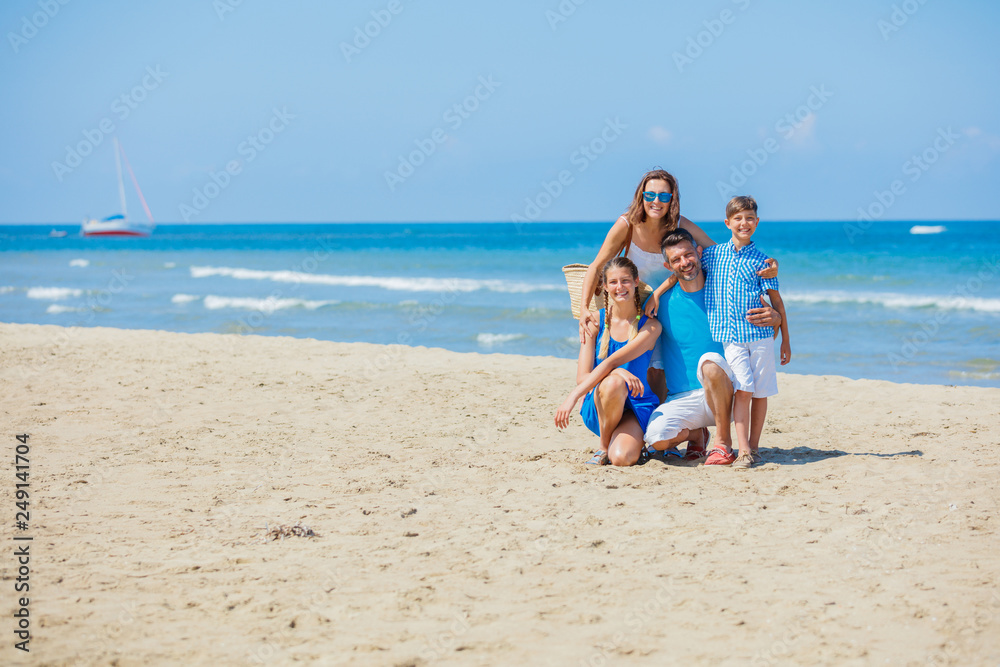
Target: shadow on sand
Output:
[(793, 457), (803, 455)]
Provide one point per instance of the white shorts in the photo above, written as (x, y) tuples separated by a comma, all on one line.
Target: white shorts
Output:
[(753, 367), (656, 360), (685, 411)]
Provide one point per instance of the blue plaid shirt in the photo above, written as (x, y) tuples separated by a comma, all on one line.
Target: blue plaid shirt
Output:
[(732, 287)]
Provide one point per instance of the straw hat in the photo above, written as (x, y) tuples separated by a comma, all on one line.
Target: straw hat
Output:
[(574, 282)]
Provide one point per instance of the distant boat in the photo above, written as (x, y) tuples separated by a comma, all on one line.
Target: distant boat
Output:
[(928, 229), (119, 225), (57, 234)]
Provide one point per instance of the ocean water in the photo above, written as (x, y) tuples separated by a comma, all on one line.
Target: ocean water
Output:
[(907, 302)]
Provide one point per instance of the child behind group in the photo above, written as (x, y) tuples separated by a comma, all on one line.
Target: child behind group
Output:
[(732, 287)]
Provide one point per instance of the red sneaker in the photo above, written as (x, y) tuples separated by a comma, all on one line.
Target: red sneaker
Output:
[(720, 457)]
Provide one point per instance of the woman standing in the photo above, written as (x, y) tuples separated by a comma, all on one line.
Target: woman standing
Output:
[(654, 212)]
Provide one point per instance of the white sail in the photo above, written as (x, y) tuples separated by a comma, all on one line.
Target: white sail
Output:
[(119, 225)]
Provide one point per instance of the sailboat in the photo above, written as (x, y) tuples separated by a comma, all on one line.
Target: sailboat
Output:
[(119, 225)]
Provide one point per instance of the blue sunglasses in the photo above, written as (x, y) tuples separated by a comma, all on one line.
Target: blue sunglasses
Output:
[(662, 196)]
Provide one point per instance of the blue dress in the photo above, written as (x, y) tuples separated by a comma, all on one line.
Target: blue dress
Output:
[(641, 406)]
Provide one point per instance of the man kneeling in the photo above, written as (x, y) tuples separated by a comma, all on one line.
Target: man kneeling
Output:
[(699, 381)]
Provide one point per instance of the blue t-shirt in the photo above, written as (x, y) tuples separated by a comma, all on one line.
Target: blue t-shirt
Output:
[(685, 338)]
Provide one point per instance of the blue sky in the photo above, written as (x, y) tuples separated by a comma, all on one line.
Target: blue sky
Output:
[(816, 109)]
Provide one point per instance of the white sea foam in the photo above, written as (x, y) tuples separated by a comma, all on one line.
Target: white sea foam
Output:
[(928, 229), (890, 300), (55, 309), (268, 305), (53, 293), (184, 298), (79, 262), (7, 288), (169, 265), (400, 283), (489, 339), (975, 375)]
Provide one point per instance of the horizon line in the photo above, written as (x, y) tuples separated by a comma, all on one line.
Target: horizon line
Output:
[(484, 222)]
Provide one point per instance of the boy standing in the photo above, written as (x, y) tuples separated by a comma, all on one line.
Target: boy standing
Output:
[(733, 287)]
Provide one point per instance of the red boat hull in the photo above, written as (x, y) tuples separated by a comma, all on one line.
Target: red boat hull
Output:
[(116, 233)]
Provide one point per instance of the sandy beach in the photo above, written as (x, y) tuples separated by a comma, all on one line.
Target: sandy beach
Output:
[(456, 525)]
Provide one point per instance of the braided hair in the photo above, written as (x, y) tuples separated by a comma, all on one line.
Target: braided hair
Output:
[(633, 328)]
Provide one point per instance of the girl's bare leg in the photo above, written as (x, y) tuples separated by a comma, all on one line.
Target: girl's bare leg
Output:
[(609, 399), (626, 442)]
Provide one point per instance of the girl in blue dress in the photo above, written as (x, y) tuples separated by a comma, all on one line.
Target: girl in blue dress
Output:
[(611, 370)]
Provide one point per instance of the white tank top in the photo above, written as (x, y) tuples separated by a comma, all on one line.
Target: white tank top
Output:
[(650, 265)]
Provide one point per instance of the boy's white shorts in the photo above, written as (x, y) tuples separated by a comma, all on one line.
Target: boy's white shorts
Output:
[(753, 367)]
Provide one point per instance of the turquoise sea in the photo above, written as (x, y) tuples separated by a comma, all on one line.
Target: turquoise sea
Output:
[(908, 302)]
